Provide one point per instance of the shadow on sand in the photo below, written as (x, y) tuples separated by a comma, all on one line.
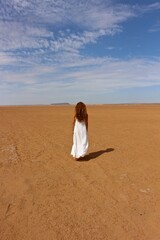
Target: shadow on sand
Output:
[(94, 155)]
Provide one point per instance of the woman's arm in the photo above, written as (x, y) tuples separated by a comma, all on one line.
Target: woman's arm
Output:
[(73, 123), (86, 122)]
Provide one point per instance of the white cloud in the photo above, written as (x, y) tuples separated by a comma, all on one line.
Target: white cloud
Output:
[(6, 59), (79, 77), (24, 24), (150, 7), (93, 74), (155, 28), (104, 17), (78, 41), (29, 76), (17, 35), (114, 74)]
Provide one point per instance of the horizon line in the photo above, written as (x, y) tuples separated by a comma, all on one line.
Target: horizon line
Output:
[(71, 104)]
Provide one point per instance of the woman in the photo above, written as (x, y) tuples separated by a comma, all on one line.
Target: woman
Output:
[(80, 131)]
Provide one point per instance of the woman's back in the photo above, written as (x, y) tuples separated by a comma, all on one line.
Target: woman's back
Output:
[(80, 131)]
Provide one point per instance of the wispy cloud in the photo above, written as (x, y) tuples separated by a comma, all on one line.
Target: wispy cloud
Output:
[(94, 73), (81, 79), (155, 28), (29, 28), (150, 7), (30, 24), (6, 59)]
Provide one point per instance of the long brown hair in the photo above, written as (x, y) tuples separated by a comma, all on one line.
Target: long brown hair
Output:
[(81, 112)]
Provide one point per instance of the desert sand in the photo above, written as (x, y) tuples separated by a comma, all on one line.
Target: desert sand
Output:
[(113, 194)]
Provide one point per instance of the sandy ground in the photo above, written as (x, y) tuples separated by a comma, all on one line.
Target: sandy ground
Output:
[(114, 194)]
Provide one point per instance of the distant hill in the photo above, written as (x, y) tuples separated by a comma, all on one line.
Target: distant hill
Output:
[(65, 103)]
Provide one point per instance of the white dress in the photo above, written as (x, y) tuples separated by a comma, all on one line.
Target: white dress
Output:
[(80, 140)]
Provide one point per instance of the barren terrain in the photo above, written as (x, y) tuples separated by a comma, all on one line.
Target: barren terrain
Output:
[(114, 194)]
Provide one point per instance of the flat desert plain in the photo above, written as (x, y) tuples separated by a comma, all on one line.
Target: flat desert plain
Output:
[(113, 194)]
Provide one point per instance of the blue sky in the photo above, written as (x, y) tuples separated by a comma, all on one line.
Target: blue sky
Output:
[(66, 51)]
